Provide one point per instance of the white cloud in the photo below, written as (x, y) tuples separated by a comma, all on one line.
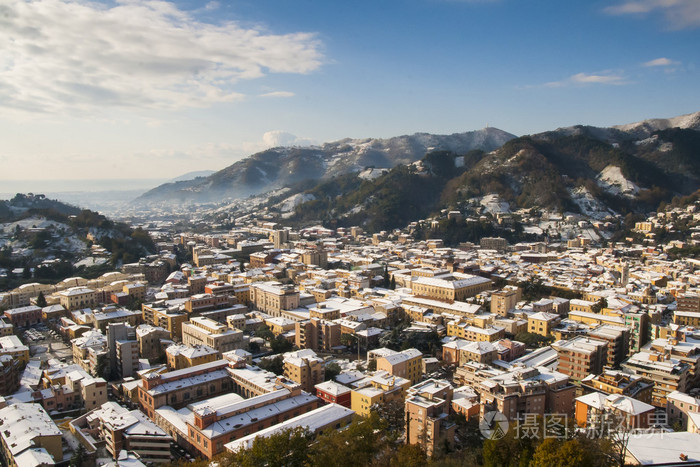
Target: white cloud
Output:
[(80, 57), (663, 61), (274, 139), (582, 79), (278, 94), (680, 14)]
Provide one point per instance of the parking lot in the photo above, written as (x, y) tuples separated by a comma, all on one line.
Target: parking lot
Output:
[(46, 343)]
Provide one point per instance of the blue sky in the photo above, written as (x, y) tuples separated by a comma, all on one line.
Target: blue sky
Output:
[(145, 89)]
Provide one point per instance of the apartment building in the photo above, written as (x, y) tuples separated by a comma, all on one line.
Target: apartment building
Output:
[(152, 341), (626, 411), (668, 374), (29, 436), (181, 387), (304, 367), (542, 323), (581, 356), (536, 390), (317, 334), (472, 333), (377, 388), (331, 392), (617, 382), (461, 351), (427, 410), (205, 331), (180, 356), (618, 339), (504, 301), (210, 429)]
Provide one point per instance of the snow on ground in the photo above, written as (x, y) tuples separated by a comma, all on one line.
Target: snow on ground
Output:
[(612, 181), (289, 204), (32, 222), (371, 174), (493, 204), (90, 261), (589, 206)]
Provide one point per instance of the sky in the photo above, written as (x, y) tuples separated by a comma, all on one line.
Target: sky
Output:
[(136, 89)]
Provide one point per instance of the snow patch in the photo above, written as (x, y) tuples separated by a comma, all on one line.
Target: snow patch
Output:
[(493, 204), (289, 204), (589, 205), (371, 173), (612, 181)]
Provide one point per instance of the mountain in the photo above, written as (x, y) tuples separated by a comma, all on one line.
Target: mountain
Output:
[(597, 172), (192, 175), (284, 166)]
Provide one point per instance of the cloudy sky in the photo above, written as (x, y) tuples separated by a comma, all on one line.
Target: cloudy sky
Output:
[(154, 89)]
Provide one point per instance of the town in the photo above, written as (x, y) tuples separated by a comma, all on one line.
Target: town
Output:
[(227, 338)]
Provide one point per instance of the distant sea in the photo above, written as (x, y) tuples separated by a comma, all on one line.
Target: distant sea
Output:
[(104, 195), (8, 188)]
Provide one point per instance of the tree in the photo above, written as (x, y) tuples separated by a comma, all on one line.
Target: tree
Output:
[(77, 459), (41, 300), (274, 364), (280, 344), (387, 280), (599, 305), (392, 286), (561, 453), (264, 332), (26, 272), (290, 448), (331, 371)]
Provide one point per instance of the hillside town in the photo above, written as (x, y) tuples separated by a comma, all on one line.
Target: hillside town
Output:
[(224, 338)]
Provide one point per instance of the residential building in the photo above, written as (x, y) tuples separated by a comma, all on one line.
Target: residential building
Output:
[(427, 410), (27, 434), (205, 331), (375, 389), (625, 411), (331, 392), (581, 356), (406, 364), (305, 368)]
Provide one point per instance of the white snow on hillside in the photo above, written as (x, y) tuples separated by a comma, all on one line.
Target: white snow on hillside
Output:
[(588, 204), (493, 204), (289, 204), (612, 181), (371, 174)]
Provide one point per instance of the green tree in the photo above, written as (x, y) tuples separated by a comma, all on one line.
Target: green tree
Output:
[(290, 448), (264, 332), (41, 300), (331, 371), (274, 364), (280, 344)]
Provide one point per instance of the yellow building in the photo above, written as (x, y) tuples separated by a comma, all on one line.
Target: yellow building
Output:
[(542, 323), (29, 436), (181, 356), (76, 298), (376, 389), (305, 368), (449, 287), (472, 333), (406, 364)]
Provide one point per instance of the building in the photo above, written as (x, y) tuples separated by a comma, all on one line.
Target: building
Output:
[(542, 323), (405, 364), (331, 392), (617, 382), (181, 387), (76, 298), (376, 389), (625, 411), (449, 287), (472, 333), (668, 374), (536, 390), (317, 334), (129, 430), (13, 347), (461, 351), (152, 340), (24, 317), (678, 407), (123, 350), (181, 356), (581, 356), (427, 410), (504, 301), (273, 297), (618, 339), (318, 421), (205, 331), (28, 433), (305, 368), (210, 428)]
